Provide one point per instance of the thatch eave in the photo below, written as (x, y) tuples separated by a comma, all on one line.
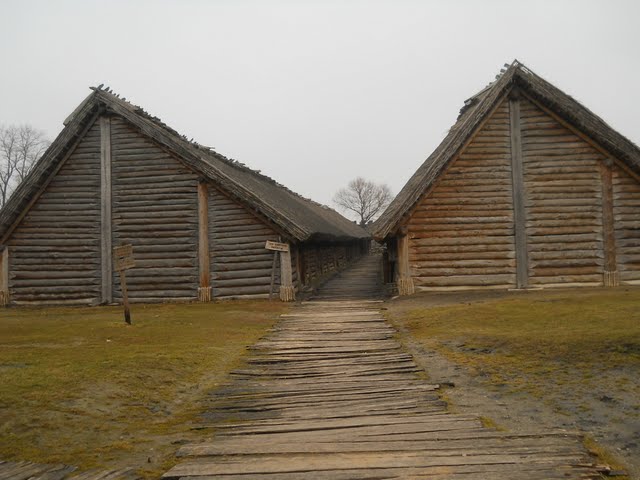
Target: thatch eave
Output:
[(298, 218), (475, 111)]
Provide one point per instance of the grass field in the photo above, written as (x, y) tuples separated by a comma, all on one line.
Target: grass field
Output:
[(519, 337), (79, 386), (578, 351)]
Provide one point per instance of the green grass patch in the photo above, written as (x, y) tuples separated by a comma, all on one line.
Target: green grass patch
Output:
[(80, 386), (575, 350), (537, 334)]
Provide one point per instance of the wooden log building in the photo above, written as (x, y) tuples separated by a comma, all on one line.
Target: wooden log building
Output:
[(198, 222), (528, 189)]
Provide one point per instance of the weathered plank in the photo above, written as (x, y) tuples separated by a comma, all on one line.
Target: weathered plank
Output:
[(330, 394)]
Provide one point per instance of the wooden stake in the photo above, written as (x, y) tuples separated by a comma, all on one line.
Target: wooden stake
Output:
[(404, 280), (123, 256), (273, 275), (125, 297), (287, 292)]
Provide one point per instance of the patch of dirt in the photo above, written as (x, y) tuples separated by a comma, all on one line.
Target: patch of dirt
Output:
[(609, 413)]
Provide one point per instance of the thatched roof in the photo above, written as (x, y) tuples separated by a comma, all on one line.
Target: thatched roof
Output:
[(475, 110), (299, 218)]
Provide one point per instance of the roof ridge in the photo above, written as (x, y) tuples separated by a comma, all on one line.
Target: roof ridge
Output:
[(477, 107), (472, 100), (209, 150)]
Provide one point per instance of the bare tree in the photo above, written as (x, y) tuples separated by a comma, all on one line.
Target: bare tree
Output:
[(364, 198), (20, 148)]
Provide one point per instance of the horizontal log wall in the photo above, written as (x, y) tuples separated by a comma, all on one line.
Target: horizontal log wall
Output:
[(461, 234), (155, 209), (240, 265), (55, 251), (626, 213), (563, 202)]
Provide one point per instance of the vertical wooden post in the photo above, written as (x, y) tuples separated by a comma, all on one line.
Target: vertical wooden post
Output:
[(125, 297), (299, 267), (404, 280), (610, 274), (273, 275), (517, 175), (105, 209), (287, 291), (204, 290), (4, 276), (123, 256)]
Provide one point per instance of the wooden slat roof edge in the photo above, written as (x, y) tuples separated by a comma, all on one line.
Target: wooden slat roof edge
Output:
[(302, 218), (471, 117)]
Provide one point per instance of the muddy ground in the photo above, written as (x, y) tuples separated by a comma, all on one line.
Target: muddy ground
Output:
[(605, 412)]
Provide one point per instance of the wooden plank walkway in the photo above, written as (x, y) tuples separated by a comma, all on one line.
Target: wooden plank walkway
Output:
[(330, 394), (42, 471)]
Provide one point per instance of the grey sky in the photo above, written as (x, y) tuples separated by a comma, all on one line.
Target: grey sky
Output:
[(313, 93)]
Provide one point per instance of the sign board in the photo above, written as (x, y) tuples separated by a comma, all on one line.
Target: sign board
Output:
[(123, 258), (277, 246)]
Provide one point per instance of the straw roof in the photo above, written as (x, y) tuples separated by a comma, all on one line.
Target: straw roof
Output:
[(299, 218), (472, 114)]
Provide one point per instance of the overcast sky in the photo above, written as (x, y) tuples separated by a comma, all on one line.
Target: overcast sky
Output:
[(313, 93)]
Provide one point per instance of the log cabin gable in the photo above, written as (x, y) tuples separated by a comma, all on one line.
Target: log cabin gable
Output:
[(260, 216), (39, 179), (461, 232), (592, 128), (54, 249), (429, 188), (608, 157)]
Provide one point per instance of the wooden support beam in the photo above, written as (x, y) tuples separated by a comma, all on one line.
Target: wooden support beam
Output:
[(287, 291), (404, 280), (4, 276), (105, 210), (299, 266), (519, 211), (204, 289), (610, 277)]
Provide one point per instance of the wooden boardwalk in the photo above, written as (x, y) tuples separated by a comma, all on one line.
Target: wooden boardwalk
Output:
[(330, 394), (43, 471)]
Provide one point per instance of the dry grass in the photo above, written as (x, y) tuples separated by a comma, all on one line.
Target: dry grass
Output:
[(81, 387)]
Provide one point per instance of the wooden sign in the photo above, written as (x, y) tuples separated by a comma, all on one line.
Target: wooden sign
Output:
[(277, 246), (123, 258)]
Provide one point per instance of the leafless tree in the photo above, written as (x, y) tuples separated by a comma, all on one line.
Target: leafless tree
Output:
[(20, 148), (364, 198)]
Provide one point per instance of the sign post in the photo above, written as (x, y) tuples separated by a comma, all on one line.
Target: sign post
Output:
[(287, 291), (123, 260)]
